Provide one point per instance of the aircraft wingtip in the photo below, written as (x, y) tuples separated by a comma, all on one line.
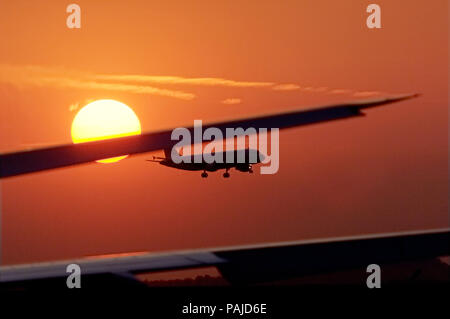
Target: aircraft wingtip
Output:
[(385, 100), (409, 96)]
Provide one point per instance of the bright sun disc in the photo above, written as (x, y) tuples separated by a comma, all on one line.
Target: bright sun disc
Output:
[(104, 119)]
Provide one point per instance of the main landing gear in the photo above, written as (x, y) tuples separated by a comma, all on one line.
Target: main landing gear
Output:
[(225, 175)]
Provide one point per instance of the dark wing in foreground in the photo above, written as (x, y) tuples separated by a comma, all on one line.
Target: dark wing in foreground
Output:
[(23, 162), (244, 264)]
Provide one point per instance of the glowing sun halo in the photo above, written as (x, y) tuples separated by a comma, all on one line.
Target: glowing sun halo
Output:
[(103, 119)]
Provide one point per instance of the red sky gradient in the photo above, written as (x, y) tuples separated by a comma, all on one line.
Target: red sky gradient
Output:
[(382, 173)]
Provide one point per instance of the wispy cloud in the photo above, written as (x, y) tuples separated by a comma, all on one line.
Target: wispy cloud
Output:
[(140, 89), (156, 79), (340, 91), (367, 93), (310, 89), (286, 87), (232, 101), (57, 77), (63, 78), (74, 107)]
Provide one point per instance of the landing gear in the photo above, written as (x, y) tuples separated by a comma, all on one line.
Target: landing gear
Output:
[(204, 174), (250, 169), (226, 174)]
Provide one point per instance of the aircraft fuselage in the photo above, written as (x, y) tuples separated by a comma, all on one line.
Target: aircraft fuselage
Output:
[(241, 160)]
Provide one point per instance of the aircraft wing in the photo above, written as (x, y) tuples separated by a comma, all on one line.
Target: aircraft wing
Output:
[(41, 159), (243, 264)]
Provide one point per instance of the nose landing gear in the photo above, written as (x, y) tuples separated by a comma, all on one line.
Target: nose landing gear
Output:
[(204, 174), (226, 174)]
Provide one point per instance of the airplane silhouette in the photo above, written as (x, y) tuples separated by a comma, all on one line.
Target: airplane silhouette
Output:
[(196, 162)]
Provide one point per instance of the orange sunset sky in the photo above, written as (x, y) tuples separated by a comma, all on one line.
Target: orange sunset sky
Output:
[(176, 61)]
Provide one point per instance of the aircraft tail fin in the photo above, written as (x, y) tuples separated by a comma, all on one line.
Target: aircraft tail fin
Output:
[(167, 152)]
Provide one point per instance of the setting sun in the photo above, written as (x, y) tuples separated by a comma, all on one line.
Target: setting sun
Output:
[(103, 119)]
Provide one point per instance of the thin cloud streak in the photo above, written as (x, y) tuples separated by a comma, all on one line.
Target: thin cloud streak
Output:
[(33, 75), (232, 101), (367, 93), (340, 91), (61, 78), (184, 81), (286, 87), (139, 89)]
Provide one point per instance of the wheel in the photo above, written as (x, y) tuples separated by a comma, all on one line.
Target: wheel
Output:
[(204, 175), (226, 175)]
